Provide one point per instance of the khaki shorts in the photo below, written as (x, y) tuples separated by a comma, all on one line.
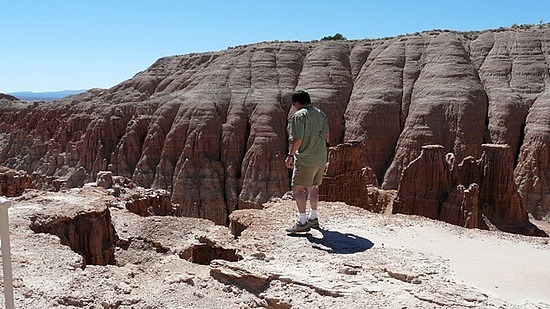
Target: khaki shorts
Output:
[(307, 176)]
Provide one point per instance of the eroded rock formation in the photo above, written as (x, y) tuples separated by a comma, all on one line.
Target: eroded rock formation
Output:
[(533, 168), (498, 192), (467, 194), (425, 184), (461, 207), (151, 203), (13, 183), (344, 178), (347, 180), (211, 128), (83, 226)]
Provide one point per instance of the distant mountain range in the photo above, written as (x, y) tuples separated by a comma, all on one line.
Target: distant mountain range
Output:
[(44, 96)]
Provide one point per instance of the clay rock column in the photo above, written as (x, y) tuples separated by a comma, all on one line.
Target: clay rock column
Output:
[(498, 191), (345, 179), (462, 207), (425, 184)]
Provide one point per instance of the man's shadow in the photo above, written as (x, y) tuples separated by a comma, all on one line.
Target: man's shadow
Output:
[(336, 242)]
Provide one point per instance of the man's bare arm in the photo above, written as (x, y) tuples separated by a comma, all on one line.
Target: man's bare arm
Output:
[(292, 149), (294, 146)]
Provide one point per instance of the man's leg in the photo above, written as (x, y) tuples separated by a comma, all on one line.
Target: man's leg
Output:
[(300, 198), (313, 197), (313, 192), (300, 175), (313, 219), (301, 225)]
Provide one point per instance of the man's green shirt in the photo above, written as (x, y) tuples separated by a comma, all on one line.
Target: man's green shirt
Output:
[(310, 125)]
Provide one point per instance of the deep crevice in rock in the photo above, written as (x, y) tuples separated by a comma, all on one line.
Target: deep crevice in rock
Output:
[(521, 140), (90, 235), (205, 253)]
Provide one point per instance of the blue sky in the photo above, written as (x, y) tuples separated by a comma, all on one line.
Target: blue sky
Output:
[(60, 44)]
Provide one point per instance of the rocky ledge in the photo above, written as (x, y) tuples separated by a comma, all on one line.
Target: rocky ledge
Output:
[(356, 258)]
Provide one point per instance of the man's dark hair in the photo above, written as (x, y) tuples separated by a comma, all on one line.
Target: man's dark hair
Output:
[(301, 97)]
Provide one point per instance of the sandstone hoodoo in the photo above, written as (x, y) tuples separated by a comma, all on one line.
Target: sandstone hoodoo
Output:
[(210, 128)]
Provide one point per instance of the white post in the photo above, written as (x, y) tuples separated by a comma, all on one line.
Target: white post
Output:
[(6, 255)]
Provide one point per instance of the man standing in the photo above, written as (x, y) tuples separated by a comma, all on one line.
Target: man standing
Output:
[(308, 138)]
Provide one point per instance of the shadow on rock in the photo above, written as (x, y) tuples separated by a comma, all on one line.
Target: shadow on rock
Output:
[(336, 242)]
